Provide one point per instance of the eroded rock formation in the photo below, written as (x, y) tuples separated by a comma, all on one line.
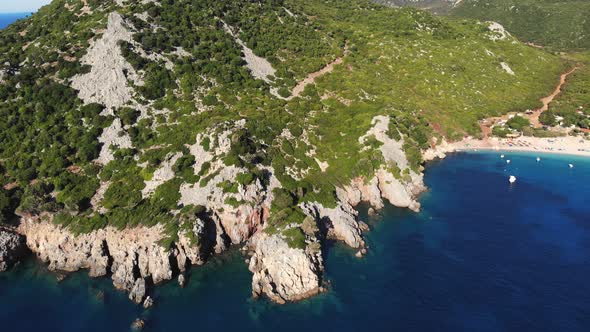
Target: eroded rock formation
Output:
[(12, 248)]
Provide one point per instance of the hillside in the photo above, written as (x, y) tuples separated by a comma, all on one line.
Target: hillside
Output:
[(434, 6), (560, 24), (141, 137)]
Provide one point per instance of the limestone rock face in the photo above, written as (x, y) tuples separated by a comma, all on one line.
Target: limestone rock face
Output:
[(439, 151), (131, 255), (106, 83), (187, 253), (341, 222), (12, 248), (400, 194), (384, 185), (283, 273), (138, 291), (361, 191)]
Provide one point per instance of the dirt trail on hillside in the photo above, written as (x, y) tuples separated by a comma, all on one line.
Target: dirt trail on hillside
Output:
[(534, 118), (310, 79), (486, 125)]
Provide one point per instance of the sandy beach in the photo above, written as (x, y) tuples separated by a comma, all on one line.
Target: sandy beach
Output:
[(570, 145), (561, 145)]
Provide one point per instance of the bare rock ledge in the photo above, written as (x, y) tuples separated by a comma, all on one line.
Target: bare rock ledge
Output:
[(135, 260), (12, 248)]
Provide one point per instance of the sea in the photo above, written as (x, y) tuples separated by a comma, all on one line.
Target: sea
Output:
[(8, 18), (482, 255)]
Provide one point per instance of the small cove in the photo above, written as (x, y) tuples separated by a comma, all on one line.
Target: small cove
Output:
[(482, 255)]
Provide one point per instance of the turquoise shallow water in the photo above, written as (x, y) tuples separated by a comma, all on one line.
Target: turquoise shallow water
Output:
[(483, 255)]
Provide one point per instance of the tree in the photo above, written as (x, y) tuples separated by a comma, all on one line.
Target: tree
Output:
[(548, 118), (4, 205), (518, 122), (128, 115)]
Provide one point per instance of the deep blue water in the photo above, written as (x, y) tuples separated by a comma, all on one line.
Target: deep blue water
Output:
[(8, 18), (483, 255)]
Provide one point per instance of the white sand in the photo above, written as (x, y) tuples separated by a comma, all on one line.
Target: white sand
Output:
[(569, 145)]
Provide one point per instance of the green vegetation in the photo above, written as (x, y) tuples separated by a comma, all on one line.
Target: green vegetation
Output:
[(540, 132), (517, 122), (434, 6), (560, 24), (5, 204), (573, 104), (430, 76), (295, 237), (501, 131)]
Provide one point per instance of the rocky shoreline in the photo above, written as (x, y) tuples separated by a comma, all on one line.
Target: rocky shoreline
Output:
[(12, 248), (135, 259), (136, 262)]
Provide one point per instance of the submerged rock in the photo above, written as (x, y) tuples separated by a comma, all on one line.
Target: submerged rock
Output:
[(59, 277), (12, 248), (138, 324), (99, 295), (148, 303), (138, 291), (181, 280)]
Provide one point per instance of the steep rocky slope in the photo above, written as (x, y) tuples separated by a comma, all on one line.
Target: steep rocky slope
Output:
[(142, 137), (12, 248)]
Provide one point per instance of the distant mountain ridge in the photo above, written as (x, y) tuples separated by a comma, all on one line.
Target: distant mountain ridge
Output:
[(435, 6), (560, 24)]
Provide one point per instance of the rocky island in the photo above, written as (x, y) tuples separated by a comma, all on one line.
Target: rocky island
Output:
[(143, 137)]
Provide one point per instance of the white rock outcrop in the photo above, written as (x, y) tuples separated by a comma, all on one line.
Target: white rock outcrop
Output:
[(340, 221), (506, 68), (107, 81), (259, 67), (12, 248), (497, 31), (283, 273), (135, 259), (115, 136), (162, 174), (133, 255)]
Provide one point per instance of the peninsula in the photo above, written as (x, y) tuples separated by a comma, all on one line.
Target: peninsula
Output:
[(141, 137)]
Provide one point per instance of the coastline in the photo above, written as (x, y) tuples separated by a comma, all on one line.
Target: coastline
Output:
[(568, 145)]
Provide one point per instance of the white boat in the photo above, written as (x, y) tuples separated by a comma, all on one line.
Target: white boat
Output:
[(512, 179), (508, 161), (571, 166), (502, 156), (538, 159)]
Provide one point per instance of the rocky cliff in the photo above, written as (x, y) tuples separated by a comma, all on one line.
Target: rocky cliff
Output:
[(193, 116), (135, 260), (12, 248)]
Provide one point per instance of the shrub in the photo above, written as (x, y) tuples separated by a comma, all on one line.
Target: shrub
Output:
[(548, 118), (518, 122), (295, 237)]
